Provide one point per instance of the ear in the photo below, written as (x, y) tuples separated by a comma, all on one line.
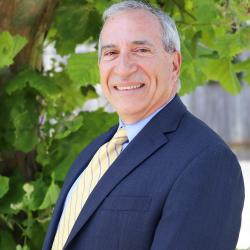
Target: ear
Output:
[(176, 61)]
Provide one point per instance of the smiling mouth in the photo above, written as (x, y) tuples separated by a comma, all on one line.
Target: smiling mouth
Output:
[(131, 87)]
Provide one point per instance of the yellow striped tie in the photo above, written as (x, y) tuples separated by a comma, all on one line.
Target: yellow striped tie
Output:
[(99, 164)]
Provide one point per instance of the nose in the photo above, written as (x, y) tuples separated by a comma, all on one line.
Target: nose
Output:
[(125, 66)]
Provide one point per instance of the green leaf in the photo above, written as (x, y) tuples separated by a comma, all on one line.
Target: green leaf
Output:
[(25, 247), (20, 120), (65, 151), (246, 78), (51, 196), (70, 96), (205, 6), (37, 236), (19, 43), (243, 67), (6, 49), (75, 23), (4, 185), (230, 44), (9, 47), (191, 73), (7, 241), (34, 194), (28, 77), (38, 195), (42, 156), (241, 10), (25, 132), (221, 70), (14, 195), (83, 68), (67, 127), (101, 5)]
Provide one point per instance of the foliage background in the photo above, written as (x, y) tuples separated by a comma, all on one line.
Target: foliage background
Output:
[(40, 133)]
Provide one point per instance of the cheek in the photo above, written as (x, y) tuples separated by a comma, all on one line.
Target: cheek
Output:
[(108, 74), (164, 72), (148, 71), (103, 69)]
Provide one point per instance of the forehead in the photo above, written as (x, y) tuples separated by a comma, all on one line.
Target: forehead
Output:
[(131, 25)]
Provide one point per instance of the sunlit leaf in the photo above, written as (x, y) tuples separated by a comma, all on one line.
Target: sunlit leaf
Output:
[(242, 66), (83, 68), (204, 6), (9, 47), (4, 185), (221, 70), (191, 74), (51, 196)]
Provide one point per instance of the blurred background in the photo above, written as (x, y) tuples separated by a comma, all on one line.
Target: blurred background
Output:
[(51, 103)]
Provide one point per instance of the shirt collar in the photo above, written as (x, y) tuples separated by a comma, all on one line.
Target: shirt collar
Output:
[(133, 129)]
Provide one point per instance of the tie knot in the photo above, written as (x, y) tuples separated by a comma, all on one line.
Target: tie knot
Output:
[(120, 136)]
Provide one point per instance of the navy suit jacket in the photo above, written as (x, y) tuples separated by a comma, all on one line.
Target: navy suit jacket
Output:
[(176, 186)]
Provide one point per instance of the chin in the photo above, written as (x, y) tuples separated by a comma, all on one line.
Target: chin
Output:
[(130, 117)]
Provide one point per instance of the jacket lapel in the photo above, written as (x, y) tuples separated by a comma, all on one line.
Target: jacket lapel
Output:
[(148, 141)]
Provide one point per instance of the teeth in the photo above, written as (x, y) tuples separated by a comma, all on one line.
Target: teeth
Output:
[(129, 87)]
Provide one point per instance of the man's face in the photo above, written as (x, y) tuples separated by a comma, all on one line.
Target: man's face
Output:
[(137, 75)]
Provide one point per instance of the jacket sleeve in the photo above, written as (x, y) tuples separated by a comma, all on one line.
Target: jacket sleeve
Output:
[(203, 209)]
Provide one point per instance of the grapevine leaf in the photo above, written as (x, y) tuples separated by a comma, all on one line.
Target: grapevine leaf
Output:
[(43, 84), (221, 70), (9, 47), (7, 241), (83, 68), (14, 195), (68, 127), (4, 187), (205, 6), (25, 131), (75, 23), (50, 196)]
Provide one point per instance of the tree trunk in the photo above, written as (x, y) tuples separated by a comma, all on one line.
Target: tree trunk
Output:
[(29, 18), (32, 19)]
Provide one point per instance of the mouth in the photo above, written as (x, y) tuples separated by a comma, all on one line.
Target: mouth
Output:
[(130, 87)]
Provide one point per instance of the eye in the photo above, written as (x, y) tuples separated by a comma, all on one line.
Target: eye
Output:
[(142, 50), (110, 53)]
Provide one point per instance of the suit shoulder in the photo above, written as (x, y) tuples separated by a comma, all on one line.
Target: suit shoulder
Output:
[(199, 132)]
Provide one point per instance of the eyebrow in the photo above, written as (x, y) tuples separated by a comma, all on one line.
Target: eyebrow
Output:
[(143, 42), (108, 46), (136, 42)]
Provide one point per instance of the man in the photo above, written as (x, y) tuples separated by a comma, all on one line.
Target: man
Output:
[(163, 180)]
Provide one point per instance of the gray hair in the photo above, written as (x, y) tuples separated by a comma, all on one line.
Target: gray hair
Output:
[(170, 36)]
